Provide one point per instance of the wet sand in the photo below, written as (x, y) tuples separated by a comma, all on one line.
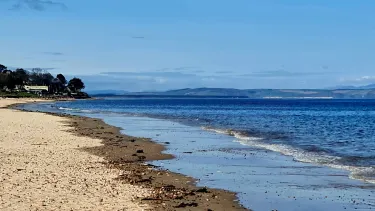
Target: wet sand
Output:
[(124, 160)]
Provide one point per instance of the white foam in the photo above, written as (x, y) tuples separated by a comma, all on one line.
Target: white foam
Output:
[(230, 132), (366, 174), (68, 109), (74, 109), (359, 173)]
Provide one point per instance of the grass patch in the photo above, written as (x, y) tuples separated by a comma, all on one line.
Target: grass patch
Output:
[(18, 95)]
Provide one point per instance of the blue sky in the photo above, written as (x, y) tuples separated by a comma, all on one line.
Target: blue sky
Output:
[(139, 45)]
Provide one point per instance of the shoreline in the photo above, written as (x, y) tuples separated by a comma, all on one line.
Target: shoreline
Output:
[(170, 191)]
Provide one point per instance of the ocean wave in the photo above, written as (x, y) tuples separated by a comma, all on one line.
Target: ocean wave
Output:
[(366, 174), (314, 156), (75, 110), (236, 134)]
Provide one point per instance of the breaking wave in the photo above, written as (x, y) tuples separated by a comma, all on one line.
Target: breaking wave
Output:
[(75, 110), (315, 155)]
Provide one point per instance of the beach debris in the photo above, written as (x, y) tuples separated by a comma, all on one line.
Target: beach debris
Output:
[(140, 158), (39, 144), (134, 177), (140, 151), (151, 165), (169, 192), (150, 199), (202, 190), (123, 173), (132, 140), (192, 204)]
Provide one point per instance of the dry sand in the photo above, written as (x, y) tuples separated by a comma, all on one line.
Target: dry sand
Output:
[(43, 168)]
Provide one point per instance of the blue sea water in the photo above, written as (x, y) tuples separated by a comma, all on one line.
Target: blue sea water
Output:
[(325, 145)]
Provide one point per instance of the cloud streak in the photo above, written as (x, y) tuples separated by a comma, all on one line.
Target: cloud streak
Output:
[(31, 68), (53, 53), (282, 73), (181, 69), (138, 37), (140, 75), (38, 5), (223, 72)]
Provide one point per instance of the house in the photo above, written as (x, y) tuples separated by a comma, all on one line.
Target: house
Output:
[(56, 86), (36, 89)]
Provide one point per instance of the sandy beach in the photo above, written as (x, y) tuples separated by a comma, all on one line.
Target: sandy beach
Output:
[(43, 168), (64, 162)]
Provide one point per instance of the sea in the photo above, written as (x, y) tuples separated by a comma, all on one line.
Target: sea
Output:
[(277, 154)]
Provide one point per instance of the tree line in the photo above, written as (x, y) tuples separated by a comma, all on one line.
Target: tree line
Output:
[(17, 79)]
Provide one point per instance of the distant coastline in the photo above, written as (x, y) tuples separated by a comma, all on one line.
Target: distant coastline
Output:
[(251, 93)]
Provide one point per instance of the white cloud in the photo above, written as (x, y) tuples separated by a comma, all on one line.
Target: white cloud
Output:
[(365, 78), (362, 79), (160, 80)]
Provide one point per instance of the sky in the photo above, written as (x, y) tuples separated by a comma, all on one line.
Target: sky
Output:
[(149, 45)]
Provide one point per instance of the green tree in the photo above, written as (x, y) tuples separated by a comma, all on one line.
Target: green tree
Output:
[(3, 80), (2, 68), (7, 80), (21, 76), (36, 76), (11, 81), (40, 77), (62, 78), (76, 84), (47, 78)]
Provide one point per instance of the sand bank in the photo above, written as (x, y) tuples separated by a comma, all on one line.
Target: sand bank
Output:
[(43, 168)]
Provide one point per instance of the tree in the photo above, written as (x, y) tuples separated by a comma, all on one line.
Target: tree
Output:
[(21, 76), (3, 80), (2, 68), (62, 79), (36, 76), (11, 82), (47, 78), (7, 80), (40, 77), (76, 84)]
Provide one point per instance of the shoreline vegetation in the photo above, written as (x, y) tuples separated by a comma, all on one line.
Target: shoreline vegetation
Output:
[(127, 155), (37, 82)]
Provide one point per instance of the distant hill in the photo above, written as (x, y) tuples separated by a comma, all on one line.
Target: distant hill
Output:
[(267, 93), (370, 86), (106, 92)]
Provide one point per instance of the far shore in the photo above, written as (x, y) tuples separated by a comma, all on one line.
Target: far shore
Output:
[(66, 150)]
